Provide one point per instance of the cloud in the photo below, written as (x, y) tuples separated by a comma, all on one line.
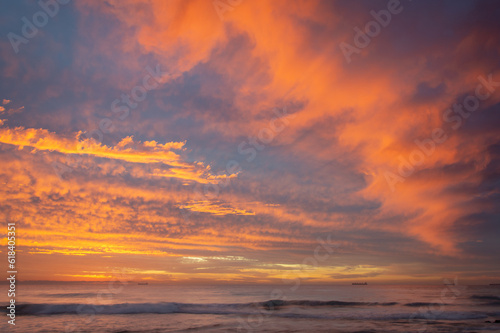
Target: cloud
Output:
[(151, 183), (214, 208), (425, 93), (10, 111), (354, 276), (148, 152)]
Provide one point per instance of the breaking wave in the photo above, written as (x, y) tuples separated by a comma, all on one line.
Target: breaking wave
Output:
[(289, 309)]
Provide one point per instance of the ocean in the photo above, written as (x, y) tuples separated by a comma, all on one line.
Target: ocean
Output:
[(129, 307)]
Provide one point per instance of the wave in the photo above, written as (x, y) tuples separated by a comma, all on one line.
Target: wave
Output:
[(171, 307), (490, 299), (435, 315), (423, 304), (277, 304), (486, 297), (278, 308), (414, 317)]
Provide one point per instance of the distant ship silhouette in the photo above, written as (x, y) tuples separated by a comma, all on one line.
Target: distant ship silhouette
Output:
[(143, 283), (359, 284)]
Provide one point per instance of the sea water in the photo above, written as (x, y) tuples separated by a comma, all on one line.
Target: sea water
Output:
[(129, 307)]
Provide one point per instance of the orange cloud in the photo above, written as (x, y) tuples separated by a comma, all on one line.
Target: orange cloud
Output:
[(148, 152), (325, 172)]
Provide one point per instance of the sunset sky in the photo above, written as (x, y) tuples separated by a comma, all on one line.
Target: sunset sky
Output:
[(225, 141)]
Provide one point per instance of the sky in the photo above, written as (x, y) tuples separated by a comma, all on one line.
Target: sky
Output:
[(237, 141)]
